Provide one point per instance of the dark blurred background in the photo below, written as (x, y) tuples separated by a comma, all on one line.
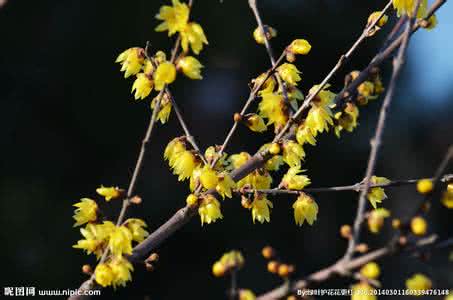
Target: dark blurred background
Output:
[(69, 124)]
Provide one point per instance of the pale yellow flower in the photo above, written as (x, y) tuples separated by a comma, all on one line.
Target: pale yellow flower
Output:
[(190, 66), (305, 208), (193, 35), (86, 211), (174, 17), (261, 209), (164, 74)]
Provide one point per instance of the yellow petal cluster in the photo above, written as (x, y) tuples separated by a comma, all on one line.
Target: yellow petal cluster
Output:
[(362, 291), (418, 283), (190, 66), (255, 123), (261, 209), (137, 229), (347, 119), (293, 153), (164, 107), (289, 73), (96, 237), (143, 85), (164, 74), (291, 180), (376, 219), (407, 7), (174, 17), (225, 185), (115, 272), (371, 270), (232, 260), (131, 61), (300, 46), (180, 159), (447, 197), (86, 211), (305, 208), (260, 36), (193, 35), (305, 135), (209, 210), (377, 194), (208, 178), (110, 192), (120, 241), (272, 107)]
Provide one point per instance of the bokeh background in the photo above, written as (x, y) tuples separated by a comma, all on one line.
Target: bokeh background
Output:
[(69, 124)]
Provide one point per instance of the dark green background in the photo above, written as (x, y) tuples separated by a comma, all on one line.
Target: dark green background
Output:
[(69, 124)]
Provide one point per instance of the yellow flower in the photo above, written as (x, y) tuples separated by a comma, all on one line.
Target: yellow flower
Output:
[(407, 7), (289, 73), (136, 227), (131, 61), (362, 291), (174, 17), (85, 212), (246, 295), (373, 17), (148, 67), (193, 35), (293, 153), (218, 269), (347, 119), (418, 283), (419, 226), (191, 200), (142, 86), (272, 107), (447, 197), (259, 179), (120, 241), (208, 178), (318, 119), (195, 178), (184, 165), (371, 270), (209, 210), (212, 154), (305, 208), (174, 150), (164, 109), (260, 209), (255, 123), (299, 46), (274, 163), (237, 160), (377, 194), (376, 219), (96, 236), (424, 186), (164, 74), (266, 87), (103, 275), (121, 269), (305, 135), (324, 96), (261, 36), (109, 193), (291, 180), (225, 185), (190, 66)]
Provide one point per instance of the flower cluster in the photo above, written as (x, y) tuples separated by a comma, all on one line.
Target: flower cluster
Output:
[(156, 71), (100, 236)]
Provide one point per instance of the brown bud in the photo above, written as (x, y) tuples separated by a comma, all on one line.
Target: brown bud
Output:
[(346, 231), (154, 257), (426, 206), (291, 269), (149, 267), (396, 223), (136, 200), (283, 270), (402, 240), (290, 57), (362, 248), (273, 266), (237, 117), (86, 269), (268, 252)]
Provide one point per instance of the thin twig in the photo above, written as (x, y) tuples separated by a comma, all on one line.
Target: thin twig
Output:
[(376, 141), (183, 124), (270, 52), (353, 187)]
